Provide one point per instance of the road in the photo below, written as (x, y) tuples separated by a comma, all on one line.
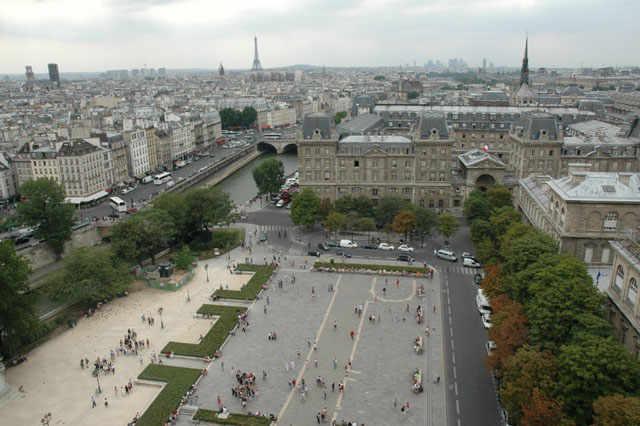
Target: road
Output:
[(471, 396)]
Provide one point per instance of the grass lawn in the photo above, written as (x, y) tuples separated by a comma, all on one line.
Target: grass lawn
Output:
[(253, 287), (233, 419)]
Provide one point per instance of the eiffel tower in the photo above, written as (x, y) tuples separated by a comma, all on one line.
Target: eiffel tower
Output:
[(256, 61)]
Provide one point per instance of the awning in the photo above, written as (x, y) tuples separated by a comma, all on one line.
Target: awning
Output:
[(89, 199)]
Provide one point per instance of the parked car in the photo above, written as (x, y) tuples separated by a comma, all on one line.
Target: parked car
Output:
[(324, 246), (263, 236), (385, 246), (489, 346), (477, 278), (405, 248), (331, 243), (405, 258), (280, 203), (343, 253), (369, 246), (466, 255), (180, 179), (316, 253), (486, 321), (471, 263)]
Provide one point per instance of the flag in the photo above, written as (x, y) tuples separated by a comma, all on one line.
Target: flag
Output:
[(485, 148)]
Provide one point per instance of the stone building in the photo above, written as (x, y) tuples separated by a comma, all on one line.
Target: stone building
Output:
[(137, 152), (81, 168)]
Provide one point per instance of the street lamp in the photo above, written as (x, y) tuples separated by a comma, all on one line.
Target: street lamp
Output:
[(160, 310), (188, 297), (206, 268), (98, 380)]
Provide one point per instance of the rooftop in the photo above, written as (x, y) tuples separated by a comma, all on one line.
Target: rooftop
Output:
[(601, 187)]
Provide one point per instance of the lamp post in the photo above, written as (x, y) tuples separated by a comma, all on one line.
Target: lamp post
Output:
[(206, 268), (188, 297), (160, 310), (98, 380)]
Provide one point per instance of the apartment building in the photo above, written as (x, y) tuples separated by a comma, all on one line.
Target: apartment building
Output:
[(137, 151), (81, 168)]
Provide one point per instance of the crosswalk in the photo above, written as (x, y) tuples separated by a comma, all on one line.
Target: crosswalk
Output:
[(460, 270)]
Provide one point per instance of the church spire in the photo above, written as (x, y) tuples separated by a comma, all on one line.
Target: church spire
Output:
[(524, 72)]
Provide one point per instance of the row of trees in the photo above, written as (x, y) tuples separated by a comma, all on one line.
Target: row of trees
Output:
[(556, 356), (361, 215), (233, 118)]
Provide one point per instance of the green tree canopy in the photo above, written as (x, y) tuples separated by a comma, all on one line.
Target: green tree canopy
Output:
[(426, 220), (335, 221), (206, 208), (502, 218), (183, 257), (18, 317), (269, 176), (175, 204), (305, 208), (366, 224), (519, 252), (404, 222), (616, 410), (379, 77), (476, 207), (249, 115), (90, 274), (142, 235), (448, 225), (413, 95), (481, 229), (338, 116), (499, 196), (326, 207), (388, 207), (590, 367), (361, 205), (486, 251), (230, 117), (46, 209)]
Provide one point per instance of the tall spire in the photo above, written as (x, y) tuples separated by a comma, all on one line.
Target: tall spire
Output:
[(524, 72), (256, 61)]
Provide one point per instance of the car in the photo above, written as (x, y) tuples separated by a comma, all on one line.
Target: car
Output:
[(369, 246), (343, 253), (332, 243), (471, 263), (405, 248), (316, 253), (385, 246), (280, 203), (125, 191), (180, 179), (489, 346), (486, 321), (131, 210), (405, 258), (324, 246), (466, 255), (263, 236), (477, 278)]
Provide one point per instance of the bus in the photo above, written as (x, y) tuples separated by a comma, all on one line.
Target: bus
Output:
[(161, 178), (273, 136), (118, 204)]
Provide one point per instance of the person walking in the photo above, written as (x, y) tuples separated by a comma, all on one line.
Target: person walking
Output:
[(352, 334), (106, 403), (93, 402)]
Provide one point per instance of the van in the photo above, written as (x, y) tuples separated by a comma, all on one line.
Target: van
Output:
[(348, 244), (447, 255), (482, 303), (147, 179), (170, 184)]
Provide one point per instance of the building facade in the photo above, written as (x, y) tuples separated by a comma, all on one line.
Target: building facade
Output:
[(81, 168), (137, 152)]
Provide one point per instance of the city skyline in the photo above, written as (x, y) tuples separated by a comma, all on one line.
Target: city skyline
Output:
[(119, 34)]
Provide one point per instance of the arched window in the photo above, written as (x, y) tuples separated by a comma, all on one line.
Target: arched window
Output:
[(619, 277), (555, 211), (610, 221), (632, 293), (562, 217)]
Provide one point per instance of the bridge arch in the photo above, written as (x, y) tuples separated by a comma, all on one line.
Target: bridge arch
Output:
[(264, 146), (291, 147)]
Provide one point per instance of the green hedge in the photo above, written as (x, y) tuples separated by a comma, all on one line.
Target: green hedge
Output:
[(178, 380), (225, 239), (233, 419), (253, 287), (214, 338), (413, 269)]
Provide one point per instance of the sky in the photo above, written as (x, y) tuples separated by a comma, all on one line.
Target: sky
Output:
[(99, 35)]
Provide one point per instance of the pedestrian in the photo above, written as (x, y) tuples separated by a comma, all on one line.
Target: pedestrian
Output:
[(315, 361), (397, 283), (395, 403), (93, 402), (352, 333), (335, 363), (264, 375), (265, 309), (325, 392), (286, 365), (434, 308), (335, 325), (437, 380), (222, 365), (402, 411), (106, 403), (293, 366), (435, 253), (299, 350)]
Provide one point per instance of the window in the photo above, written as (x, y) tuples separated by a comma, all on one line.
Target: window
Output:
[(610, 221), (374, 191), (342, 163), (562, 214), (393, 176), (407, 163), (588, 254), (619, 277), (356, 163), (394, 163), (632, 293), (431, 203), (440, 203)]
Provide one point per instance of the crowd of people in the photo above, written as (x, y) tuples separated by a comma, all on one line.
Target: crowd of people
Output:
[(246, 389)]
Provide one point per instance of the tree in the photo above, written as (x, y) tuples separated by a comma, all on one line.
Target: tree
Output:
[(363, 206), (502, 218), (335, 221), (366, 224), (249, 115), (518, 253), (592, 366), (18, 317), (448, 225), (175, 204), (337, 117), (509, 331), (486, 251), (269, 176), (183, 257), (343, 204), (528, 369), (379, 77), (480, 229), (230, 118), (46, 209), (616, 410), (143, 234), (498, 196), (325, 208), (413, 95), (476, 207), (388, 207), (89, 275), (206, 207), (544, 410), (305, 208), (426, 219), (404, 222)]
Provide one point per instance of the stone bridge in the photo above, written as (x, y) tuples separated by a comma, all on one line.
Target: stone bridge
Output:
[(279, 146)]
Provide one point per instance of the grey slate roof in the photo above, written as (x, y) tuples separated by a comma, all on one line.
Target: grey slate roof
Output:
[(572, 90), (430, 121), (368, 142), (76, 147), (538, 122), (317, 121), (598, 187), (477, 156), (361, 125), (362, 101), (493, 95)]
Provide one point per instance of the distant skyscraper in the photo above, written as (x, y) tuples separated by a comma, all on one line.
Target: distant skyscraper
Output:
[(524, 72), (221, 70), (29, 73), (54, 74), (256, 60), (484, 63)]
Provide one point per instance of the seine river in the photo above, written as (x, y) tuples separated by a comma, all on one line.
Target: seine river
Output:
[(241, 186)]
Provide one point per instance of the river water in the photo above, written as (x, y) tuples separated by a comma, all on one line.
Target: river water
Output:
[(241, 186)]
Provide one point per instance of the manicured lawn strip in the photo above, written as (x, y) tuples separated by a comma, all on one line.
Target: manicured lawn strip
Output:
[(178, 380), (413, 269), (233, 419), (216, 335), (253, 287), (249, 267)]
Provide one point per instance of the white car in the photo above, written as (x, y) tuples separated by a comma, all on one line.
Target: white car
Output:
[(385, 246), (490, 346), (280, 203), (405, 248), (486, 321), (471, 263)]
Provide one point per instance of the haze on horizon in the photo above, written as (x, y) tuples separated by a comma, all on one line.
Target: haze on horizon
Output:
[(97, 35)]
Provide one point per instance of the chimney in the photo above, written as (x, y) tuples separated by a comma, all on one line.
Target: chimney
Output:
[(579, 167), (624, 178)]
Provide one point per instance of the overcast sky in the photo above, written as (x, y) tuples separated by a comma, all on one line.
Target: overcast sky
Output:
[(96, 35)]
